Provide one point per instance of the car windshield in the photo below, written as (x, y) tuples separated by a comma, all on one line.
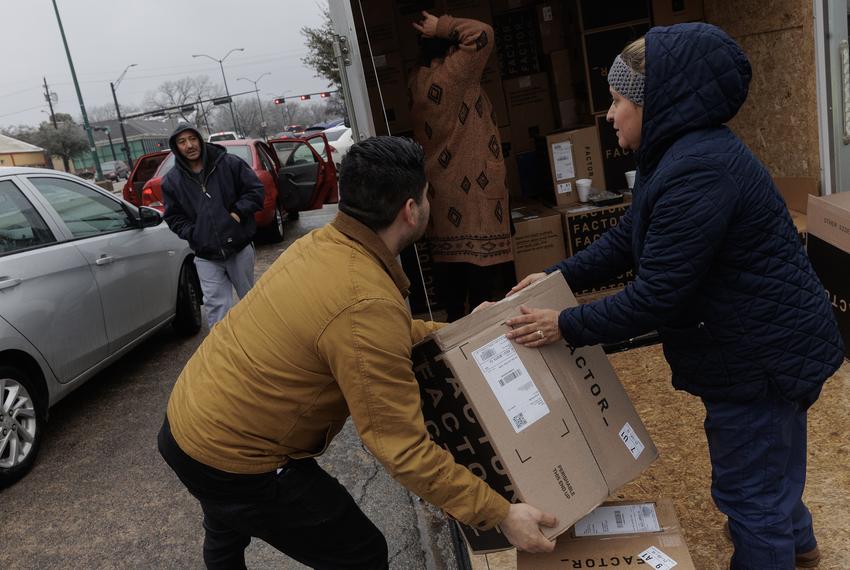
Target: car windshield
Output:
[(242, 151), (222, 137), (166, 165), (334, 135)]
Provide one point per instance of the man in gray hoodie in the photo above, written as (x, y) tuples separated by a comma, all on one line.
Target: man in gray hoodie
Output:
[(210, 200)]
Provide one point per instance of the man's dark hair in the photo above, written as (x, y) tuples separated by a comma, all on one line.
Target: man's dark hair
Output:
[(378, 176)]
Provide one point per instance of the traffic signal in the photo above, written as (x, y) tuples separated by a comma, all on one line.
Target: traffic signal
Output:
[(324, 95), (304, 97), (279, 101)]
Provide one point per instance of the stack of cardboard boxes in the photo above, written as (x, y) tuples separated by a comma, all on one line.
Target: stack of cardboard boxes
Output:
[(547, 80)]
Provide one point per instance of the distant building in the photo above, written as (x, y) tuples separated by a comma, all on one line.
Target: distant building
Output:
[(143, 136), (14, 152)]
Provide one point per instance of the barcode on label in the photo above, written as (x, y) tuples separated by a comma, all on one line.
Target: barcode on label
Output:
[(488, 354), (618, 517), (507, 378), (519, 420)]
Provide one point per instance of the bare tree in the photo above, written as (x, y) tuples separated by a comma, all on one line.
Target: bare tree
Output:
[(107, 112), (184, 92)]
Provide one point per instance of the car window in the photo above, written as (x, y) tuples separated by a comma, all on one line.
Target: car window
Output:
[(301, 155), (222, 137), (166, 165), (21, 227), (267, 161), (284, 150), (84, 210), (243, 151), (318, 144), (334, 135)]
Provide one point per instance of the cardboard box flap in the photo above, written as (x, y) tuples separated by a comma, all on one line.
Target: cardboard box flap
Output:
[(829, 219), (796, 191), (456, 333)]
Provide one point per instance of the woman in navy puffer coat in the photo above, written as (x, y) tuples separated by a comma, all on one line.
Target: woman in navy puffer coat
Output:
[(720, 274)]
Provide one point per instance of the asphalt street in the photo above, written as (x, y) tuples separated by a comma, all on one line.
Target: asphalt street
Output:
[(100, 496)]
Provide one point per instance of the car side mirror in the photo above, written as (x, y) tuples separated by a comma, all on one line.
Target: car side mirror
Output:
[(149, 217)]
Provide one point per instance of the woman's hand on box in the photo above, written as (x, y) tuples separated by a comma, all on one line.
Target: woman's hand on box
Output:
[(535, 327), (522, 528), (527, 280)]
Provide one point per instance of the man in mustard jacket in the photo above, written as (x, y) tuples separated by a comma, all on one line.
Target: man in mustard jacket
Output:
[(324, 334)]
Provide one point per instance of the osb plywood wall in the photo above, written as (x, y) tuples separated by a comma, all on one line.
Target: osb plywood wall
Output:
[(779, 120)]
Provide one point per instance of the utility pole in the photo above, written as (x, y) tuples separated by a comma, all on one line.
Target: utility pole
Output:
[(203, 115), (259, 104), (86, 126), (48, 96), (113, 87), (224, 78)]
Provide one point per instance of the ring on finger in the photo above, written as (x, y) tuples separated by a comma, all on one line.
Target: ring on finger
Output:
[(540, 334)]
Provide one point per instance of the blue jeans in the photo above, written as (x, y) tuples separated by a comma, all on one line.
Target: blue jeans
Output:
[(758, 460), (218, 278)]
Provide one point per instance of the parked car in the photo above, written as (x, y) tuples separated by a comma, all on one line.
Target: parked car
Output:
[(258, 155), (84, 277), (340, 138), (114, 169), (223, 136), (308, 180)]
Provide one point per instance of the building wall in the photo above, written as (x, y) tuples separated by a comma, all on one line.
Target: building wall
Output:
[(23, 159), (779, 120)]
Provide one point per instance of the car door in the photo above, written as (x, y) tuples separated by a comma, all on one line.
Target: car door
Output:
[(143, 171), (299, 176), (326, 179), (134, 268), (48, 292)]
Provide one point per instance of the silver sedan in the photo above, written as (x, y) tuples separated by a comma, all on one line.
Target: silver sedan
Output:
[(84, 277)]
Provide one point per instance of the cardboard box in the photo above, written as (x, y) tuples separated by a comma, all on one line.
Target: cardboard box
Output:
[(669, 12), (552, 427), (828, 246), (529, 105), (550, 22), (573, 155), (491, 83), (618, 534), (379, 29), (796, 192), (561, 74), (616, 161), (583, 225), (600, 49), (538, 241), (518, 42), (390, 72), (594, 14)]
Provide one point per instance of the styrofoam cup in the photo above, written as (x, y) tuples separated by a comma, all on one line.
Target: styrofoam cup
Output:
[(583, 188), (630, 178)]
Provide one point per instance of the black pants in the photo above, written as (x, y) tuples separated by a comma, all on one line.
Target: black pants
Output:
[(302, 511), (463, 286)]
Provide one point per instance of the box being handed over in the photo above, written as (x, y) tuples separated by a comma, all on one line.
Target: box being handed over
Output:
[(552, 427), (619, 534)]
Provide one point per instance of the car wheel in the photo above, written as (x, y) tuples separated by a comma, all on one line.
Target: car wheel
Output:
[(273, 233), (21, 422), (188, 320)]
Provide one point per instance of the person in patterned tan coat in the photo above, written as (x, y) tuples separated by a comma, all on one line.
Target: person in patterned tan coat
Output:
[(455, 123)]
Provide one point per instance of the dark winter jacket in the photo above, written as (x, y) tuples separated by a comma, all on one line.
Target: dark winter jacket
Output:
[(721, 273), (198, 206)]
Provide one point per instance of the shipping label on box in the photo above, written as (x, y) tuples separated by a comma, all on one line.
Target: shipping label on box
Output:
[(828, 246), (583, 225), (541, 426), (573, 155), (619, 534), (538, 242), (600, 49), (550, 22)]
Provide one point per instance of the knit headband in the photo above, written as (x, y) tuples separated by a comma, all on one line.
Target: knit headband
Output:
[(626, 81)]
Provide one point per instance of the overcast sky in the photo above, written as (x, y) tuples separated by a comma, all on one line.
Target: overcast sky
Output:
[(160, 36)]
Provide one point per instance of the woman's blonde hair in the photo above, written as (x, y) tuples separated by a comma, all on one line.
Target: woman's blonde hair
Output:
[(634, 55)]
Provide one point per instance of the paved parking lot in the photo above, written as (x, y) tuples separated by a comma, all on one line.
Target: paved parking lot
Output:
[(99, 495)]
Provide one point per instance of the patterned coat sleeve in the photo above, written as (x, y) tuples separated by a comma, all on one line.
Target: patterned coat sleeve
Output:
[(475, 44)]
